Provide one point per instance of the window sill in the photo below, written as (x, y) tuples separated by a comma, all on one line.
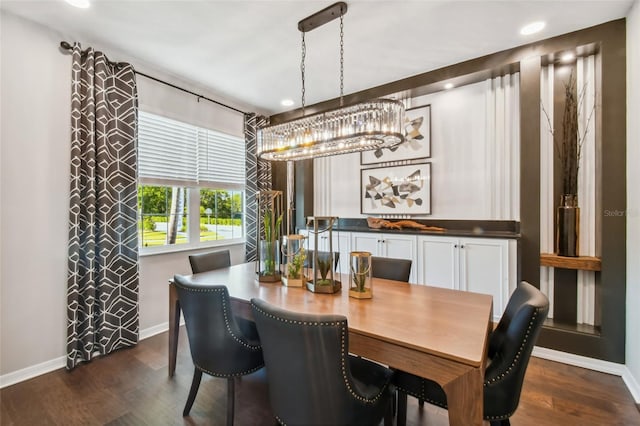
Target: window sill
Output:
[(154, 251)]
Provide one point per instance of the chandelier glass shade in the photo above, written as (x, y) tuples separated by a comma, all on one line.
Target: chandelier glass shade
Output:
[(364, 126), (368, 125)]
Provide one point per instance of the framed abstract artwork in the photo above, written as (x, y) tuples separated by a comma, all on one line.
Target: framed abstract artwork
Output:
[(417, 144), (396, 190)]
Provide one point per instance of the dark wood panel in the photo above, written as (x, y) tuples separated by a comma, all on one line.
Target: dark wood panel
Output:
[(565, 296), (530, 169), (131, 387)]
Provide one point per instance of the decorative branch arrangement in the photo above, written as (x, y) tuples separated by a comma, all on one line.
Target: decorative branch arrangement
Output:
[(569, 145)]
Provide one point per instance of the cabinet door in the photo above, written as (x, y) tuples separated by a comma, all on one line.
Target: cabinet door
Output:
[(438, 262), (342, 244), (366, 241), (484, 269), (401, 247)]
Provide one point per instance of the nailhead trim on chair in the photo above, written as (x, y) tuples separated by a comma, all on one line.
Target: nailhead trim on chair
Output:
[(421, 396), (513, 364), (226, 320), (229, 375), (225, 313), (516, 359), (343, 352)]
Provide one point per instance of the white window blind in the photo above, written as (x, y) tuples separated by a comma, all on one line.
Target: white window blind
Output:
[(175, 153)]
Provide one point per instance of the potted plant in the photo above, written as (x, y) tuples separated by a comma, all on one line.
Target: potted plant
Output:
[(269, 248), (322, 278), (294, 251), (360, 275)]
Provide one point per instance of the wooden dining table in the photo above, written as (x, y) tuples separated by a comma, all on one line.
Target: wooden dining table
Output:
[(436, 333)]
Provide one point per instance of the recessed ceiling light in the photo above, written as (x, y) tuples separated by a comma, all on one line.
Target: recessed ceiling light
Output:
[(568, 57), (532, 28), (448, 86), (82, 4), (286, 102)]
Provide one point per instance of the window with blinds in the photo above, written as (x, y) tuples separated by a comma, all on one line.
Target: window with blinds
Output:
[(172, 152), (191, 184)]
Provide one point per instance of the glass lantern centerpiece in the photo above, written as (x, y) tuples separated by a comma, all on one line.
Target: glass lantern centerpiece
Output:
[(360, 284), (294, 255), (322, 257), (270, 215)]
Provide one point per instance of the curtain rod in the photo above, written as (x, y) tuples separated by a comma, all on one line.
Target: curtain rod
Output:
[(68, 48)]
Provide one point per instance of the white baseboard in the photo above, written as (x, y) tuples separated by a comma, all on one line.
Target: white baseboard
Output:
[(57, 363), (32, 371), (152, 331), (632, 384), (592, 364)]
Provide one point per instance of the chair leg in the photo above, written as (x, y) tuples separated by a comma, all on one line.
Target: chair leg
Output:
[(402, 409), (503, 422), (195, 385), (230, 400), (388, 415)]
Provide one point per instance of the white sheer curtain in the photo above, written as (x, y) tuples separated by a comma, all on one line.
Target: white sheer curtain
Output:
[(503, 146)]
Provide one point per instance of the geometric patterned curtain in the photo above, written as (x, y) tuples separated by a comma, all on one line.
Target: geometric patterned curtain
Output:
[(102, 281), (258, 179)]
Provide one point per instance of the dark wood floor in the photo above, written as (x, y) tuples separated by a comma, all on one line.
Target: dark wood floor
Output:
[(131, 387)]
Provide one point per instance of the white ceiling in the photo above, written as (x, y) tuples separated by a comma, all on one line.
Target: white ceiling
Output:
[(249, 52)]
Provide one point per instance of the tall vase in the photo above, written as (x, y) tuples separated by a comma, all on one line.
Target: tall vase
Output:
[(269, 268), (568, 226)]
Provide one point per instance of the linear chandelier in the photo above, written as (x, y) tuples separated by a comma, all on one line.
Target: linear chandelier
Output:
[(368, 125)]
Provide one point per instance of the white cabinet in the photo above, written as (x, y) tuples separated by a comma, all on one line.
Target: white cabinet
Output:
[(388, 245), (341, 243), (480, 265)]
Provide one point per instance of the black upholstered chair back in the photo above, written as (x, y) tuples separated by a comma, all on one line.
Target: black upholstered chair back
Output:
[(510, 348), (218, 347), (309, 372), (203, 262), (391, 269)]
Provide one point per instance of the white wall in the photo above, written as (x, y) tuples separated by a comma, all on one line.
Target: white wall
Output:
[(633, 199), (458, 161), (35, 107)]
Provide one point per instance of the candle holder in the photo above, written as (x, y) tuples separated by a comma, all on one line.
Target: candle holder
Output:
[(322, 264), (360, 283), (294, 255)]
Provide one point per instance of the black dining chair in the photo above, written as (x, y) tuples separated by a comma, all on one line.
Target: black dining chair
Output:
[(312, 378), (510, 346), (218, 346), (210, 261), (390, 269), (203, 262)]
